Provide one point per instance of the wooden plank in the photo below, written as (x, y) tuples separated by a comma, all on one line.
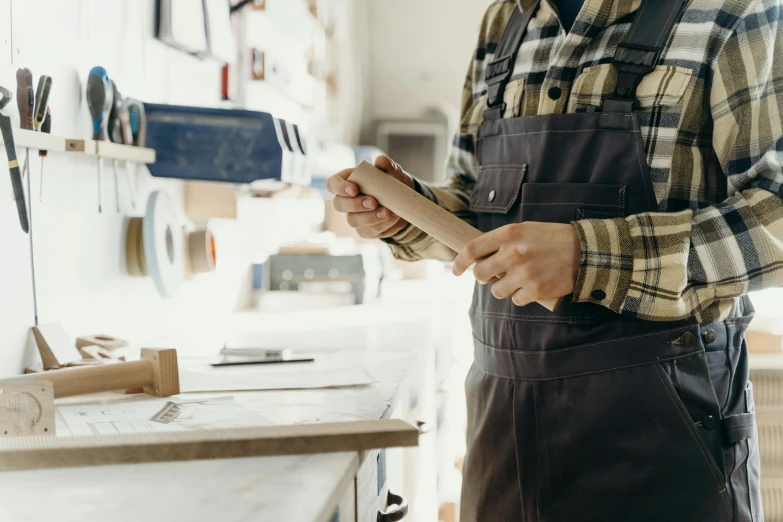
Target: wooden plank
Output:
[(113, 151), (37, 140), (56, 452), (419, 211)]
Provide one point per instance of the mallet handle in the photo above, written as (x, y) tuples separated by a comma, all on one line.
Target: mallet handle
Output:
[(93, 379)]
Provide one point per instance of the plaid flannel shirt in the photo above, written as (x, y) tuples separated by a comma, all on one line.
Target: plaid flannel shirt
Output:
[(712, 121)]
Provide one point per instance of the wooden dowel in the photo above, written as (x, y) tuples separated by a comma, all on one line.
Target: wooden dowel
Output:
[(93, 379), (419, 211)]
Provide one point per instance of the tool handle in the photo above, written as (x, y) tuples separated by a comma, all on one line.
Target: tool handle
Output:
[(69, 382), (13, 168), (100, 99), (42, 100), (419, 211), (25, 98), (46, 128), (138, 121)]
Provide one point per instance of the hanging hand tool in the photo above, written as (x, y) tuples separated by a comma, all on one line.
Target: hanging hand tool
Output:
[(100, 98), (13, 163), (46, 128), (25, 101), (41, 115), (128, 134), (138, 121), (115, 136)]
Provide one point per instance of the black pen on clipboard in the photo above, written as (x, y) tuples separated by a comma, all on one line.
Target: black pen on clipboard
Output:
[(250, 356)]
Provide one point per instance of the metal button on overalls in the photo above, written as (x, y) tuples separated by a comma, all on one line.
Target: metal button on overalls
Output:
[(583, 414)]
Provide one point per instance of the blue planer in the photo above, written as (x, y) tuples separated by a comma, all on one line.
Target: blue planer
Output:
[(232, 146)]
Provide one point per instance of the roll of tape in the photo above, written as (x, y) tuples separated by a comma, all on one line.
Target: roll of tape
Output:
[(134, 248), (163, 244), (201, 251)]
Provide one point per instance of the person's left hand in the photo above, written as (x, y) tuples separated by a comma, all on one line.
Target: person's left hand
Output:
[(528, 261)]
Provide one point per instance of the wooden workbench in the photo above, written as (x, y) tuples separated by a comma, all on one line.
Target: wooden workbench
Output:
[(338, 487)]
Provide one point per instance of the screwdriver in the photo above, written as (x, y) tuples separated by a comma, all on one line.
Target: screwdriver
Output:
[(100, 98), (126, 136), (40, 107), (115, 131), (42, 114), (46, 128)]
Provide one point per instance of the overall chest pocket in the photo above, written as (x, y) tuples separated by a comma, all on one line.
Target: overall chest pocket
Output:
[(665, 88), (502, 197), (495, 198)]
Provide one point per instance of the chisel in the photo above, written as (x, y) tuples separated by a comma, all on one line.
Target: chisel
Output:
[(13, 163), (100, 98), (115, 131), (25, 101)]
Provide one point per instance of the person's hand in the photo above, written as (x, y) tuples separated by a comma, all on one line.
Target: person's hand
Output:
[(369, 219), (528, 261)]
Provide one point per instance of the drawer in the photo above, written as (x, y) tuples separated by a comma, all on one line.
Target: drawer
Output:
[(346, 509), (371, 486)]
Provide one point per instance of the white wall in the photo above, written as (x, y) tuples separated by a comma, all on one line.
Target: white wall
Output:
[(82, 280), (420, 53)]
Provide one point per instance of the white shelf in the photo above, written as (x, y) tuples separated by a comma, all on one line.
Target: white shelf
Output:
[(28, 139), (109, 150)]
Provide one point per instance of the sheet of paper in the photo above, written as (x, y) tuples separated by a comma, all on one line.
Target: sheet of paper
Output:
[(328, 371), (159, 415)]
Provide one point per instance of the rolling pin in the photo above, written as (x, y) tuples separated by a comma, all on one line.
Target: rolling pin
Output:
[(157, 373), (419, 211)]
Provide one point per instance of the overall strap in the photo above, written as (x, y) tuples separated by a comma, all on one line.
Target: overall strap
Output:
[(499, 71), (638, 54)]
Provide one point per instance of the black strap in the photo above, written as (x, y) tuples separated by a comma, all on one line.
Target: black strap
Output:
[(499, 71), (638, 54), (740, 427)]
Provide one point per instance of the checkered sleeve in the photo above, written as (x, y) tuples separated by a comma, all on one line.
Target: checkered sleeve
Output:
[(410, 243), (668, 266)]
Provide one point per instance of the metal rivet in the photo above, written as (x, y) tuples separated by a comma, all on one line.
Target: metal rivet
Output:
[(709, 336), (491, 196), (687, 339)]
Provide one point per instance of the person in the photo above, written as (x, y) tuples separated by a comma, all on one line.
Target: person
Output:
[(632, 165)]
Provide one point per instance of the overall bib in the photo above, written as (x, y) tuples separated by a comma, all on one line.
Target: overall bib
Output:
[(584, 414)]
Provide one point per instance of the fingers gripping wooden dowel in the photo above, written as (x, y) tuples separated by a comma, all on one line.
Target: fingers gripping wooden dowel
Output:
[(419, 211), (157, 373)]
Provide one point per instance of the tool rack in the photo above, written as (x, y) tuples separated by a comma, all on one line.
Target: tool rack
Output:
[(105, 149)]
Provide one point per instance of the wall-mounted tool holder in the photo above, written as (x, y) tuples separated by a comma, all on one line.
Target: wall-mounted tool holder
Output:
[(49, 142)]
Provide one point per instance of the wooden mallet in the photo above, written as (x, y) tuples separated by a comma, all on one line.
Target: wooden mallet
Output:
[(419, 211), (157, 373)]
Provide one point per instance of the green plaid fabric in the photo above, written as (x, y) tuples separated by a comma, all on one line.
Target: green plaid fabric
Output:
[(712, 121)]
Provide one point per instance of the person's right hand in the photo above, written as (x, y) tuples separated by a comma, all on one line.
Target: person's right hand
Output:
[(369, 219)]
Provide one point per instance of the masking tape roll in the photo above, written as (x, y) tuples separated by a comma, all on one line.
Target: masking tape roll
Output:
[(134, 248), (163, 244), (201, 251)]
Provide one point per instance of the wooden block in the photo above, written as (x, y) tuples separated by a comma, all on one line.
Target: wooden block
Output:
[(205, 201), (419, 211), (26, 408), (301, 439), (54, 345), (165, 379), (107, 342)]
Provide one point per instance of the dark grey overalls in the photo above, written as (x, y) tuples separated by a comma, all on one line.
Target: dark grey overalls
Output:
[(584, 414)]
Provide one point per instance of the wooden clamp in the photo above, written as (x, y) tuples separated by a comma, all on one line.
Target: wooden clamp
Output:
[(157, 373), (419, 211)]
